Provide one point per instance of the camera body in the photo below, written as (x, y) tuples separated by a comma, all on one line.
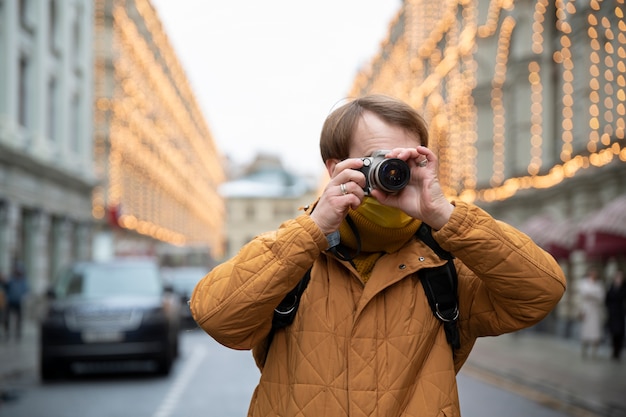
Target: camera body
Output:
[(386, 174)]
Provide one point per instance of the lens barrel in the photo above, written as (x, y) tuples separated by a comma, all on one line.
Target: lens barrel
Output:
[(390, 175)]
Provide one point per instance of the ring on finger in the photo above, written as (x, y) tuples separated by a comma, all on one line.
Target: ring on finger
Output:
[(343, 189), (423, 163)]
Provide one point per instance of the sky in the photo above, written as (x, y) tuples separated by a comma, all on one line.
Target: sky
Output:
[(267, 73)]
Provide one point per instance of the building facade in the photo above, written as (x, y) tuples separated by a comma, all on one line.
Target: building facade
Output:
[(155, 158), (46, 168), (262, 198), (526, 106), (103, 148)]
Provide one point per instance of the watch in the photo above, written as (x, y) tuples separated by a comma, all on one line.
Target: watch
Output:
[(333, 239)]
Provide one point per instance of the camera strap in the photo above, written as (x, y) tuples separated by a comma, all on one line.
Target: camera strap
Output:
[(340, 251), (440, 285)]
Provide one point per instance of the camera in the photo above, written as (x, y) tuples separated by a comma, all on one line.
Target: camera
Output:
[(387, 174)]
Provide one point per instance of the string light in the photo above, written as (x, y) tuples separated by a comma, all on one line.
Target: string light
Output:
[(493, 17), (620, 81), (428, 74), (497, 104), (98, 200), (436, 54), (541, 6), (161, 165), (563, 10), (536, 119)]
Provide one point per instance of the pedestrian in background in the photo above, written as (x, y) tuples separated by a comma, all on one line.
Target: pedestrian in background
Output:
[(364, 340), (592, 295), (16, 289), (615, 301)]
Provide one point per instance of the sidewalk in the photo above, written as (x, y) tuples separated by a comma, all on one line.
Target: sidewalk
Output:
[(543, 368), (552, 371), (18, 361)]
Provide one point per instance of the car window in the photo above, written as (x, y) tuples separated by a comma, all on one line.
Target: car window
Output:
[(75, 284), (110, 280), (183, 280)]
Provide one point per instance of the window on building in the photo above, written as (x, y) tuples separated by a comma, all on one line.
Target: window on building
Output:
[(23, 91), (75, 124), (76, 39), (284, 210), (53, 26), (25, 14), (52, 108), (250, 211)]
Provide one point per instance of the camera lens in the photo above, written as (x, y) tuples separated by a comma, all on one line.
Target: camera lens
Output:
[(391, 175)]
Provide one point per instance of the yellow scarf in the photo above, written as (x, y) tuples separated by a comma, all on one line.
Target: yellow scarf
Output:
[(376, 240)]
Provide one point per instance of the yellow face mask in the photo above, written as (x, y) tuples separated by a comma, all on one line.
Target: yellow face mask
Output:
[(381, 215)]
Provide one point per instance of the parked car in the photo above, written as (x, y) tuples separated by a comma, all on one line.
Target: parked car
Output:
[(118, 310), (183, 280)]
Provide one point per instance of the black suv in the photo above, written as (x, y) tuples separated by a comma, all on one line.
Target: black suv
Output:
[(109, 311)]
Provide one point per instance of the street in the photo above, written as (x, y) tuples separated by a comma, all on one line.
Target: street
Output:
[(207, 380)]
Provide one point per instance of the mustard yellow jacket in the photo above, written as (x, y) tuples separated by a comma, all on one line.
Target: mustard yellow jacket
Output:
[(376, 349)]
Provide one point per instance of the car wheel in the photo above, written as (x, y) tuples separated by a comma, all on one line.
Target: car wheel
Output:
[(164, 365), (176, 347), (49, 371)]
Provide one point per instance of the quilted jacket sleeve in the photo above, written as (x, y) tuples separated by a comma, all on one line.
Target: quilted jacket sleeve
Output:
[(234, 303), (506, 282)]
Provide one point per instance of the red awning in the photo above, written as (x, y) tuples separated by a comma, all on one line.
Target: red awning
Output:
[(604, 245), (556, 237), (611, 219), (603, 233)]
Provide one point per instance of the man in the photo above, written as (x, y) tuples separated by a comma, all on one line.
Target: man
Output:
[(364, 341), (16, 289)]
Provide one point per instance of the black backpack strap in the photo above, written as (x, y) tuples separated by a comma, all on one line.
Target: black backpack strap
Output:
[(426, 235), (286, 311), (441, 284)]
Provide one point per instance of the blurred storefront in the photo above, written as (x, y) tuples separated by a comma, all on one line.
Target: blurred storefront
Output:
[(525, 100), (603, 233)]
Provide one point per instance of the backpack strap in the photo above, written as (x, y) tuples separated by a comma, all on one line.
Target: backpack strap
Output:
[(288, 307), (425, 233), (440, 285), (286, 310)]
